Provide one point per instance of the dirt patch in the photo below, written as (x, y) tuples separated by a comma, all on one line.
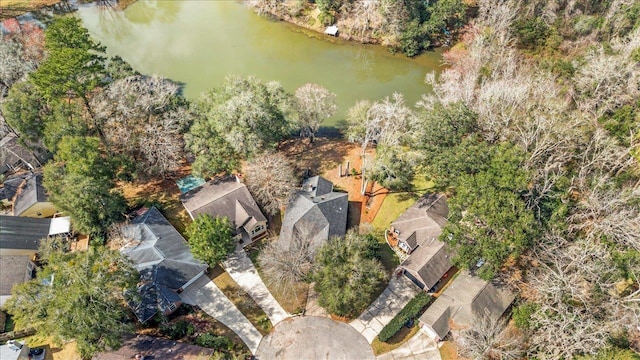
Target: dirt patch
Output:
[(324, 157), (163, 193)]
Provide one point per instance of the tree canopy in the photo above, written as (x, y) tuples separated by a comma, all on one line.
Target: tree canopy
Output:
[(348, 273), (79, 182), (78, 296), (210, 239), (241, 118)]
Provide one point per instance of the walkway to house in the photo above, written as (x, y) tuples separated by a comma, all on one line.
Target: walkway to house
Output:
[(205, 294), (419, 347), (242, 271), (397, 294)]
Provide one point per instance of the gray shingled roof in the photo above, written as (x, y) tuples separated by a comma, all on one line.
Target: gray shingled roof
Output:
[(429, 261), (428, 214), (14, 270), (317, 186), (223, 197), (22, 232), (162, 257), (316, 209), (467, 298)]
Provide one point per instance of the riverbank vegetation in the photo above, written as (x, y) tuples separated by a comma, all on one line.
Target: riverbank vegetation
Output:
[(410, 27)]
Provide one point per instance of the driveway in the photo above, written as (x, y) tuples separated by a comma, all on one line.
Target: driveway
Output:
[(393, 299), (243, 272), (205, 294), (310, 338), (419, 347)]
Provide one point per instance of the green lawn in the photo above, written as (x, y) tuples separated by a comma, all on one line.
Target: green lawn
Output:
[(395, 204)]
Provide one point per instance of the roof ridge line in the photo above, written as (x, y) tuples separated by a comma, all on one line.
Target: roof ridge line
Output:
[(222, 195)]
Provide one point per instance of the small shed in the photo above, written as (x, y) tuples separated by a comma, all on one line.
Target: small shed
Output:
[(331, 30)]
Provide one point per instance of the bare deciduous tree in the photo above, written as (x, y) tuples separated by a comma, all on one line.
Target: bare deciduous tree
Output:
[(383, 123), (491, 339), (315, 104), (285, 267), (579, 302), (141, 117), (271, 180)]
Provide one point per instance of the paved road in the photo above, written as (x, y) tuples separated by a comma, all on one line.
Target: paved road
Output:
[(205, 294), (397, 294), (419, 347), (311, 338), (242, 271)]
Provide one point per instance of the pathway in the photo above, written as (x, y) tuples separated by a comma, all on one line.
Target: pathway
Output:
[(313, 308), (419, 347), (241, 269), (393, 299), (205, 294)]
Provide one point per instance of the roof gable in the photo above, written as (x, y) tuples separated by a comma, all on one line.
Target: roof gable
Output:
[(324, 214), (468, 298), (430, 261), (224, 197), (163, 259), (423, 220)]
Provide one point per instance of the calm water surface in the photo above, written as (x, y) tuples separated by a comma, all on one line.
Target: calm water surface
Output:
[(199, 42)]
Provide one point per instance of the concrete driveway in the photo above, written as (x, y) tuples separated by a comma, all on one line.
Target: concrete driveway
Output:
[(205, 294), (243, 272), (310, 338), (393, 299), (419, 347)]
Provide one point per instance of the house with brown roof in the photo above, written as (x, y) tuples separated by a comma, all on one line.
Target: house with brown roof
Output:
[(414, 235), (230, 198), (315, 214), (466, 300)]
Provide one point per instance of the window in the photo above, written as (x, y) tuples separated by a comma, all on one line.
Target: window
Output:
[(172, 306), (257, 229)]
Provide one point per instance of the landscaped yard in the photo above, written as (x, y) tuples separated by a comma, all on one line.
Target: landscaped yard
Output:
[(396, 341), (293, 301), (396, 203), (448, 351), (241, 300)]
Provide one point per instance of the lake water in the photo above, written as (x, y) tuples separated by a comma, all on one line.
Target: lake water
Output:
[(199, 42)]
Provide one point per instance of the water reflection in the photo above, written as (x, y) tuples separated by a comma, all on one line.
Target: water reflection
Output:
[(200, 42)]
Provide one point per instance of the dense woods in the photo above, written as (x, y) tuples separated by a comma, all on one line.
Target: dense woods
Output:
[(403, 25)]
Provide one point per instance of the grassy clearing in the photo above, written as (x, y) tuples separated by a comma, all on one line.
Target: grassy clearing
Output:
[(448, 351), (396, 341), (241, 299), (396, 203)]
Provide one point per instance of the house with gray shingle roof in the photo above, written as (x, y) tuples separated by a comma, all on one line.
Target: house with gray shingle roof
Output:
[(415, 232), (466, 300), (164, 261), (230, 198), (315, 214)]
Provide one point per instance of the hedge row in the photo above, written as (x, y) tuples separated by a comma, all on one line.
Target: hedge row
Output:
[(412, 310)]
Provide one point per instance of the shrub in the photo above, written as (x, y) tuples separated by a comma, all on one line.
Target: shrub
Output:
[(522, 315), (412, 310), (212, 341), (326, 18), (532, 32), (178, 330)]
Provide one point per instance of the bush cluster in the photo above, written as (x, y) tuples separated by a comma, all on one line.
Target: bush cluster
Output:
[(212, 341), (178, 330), (412, 310)]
